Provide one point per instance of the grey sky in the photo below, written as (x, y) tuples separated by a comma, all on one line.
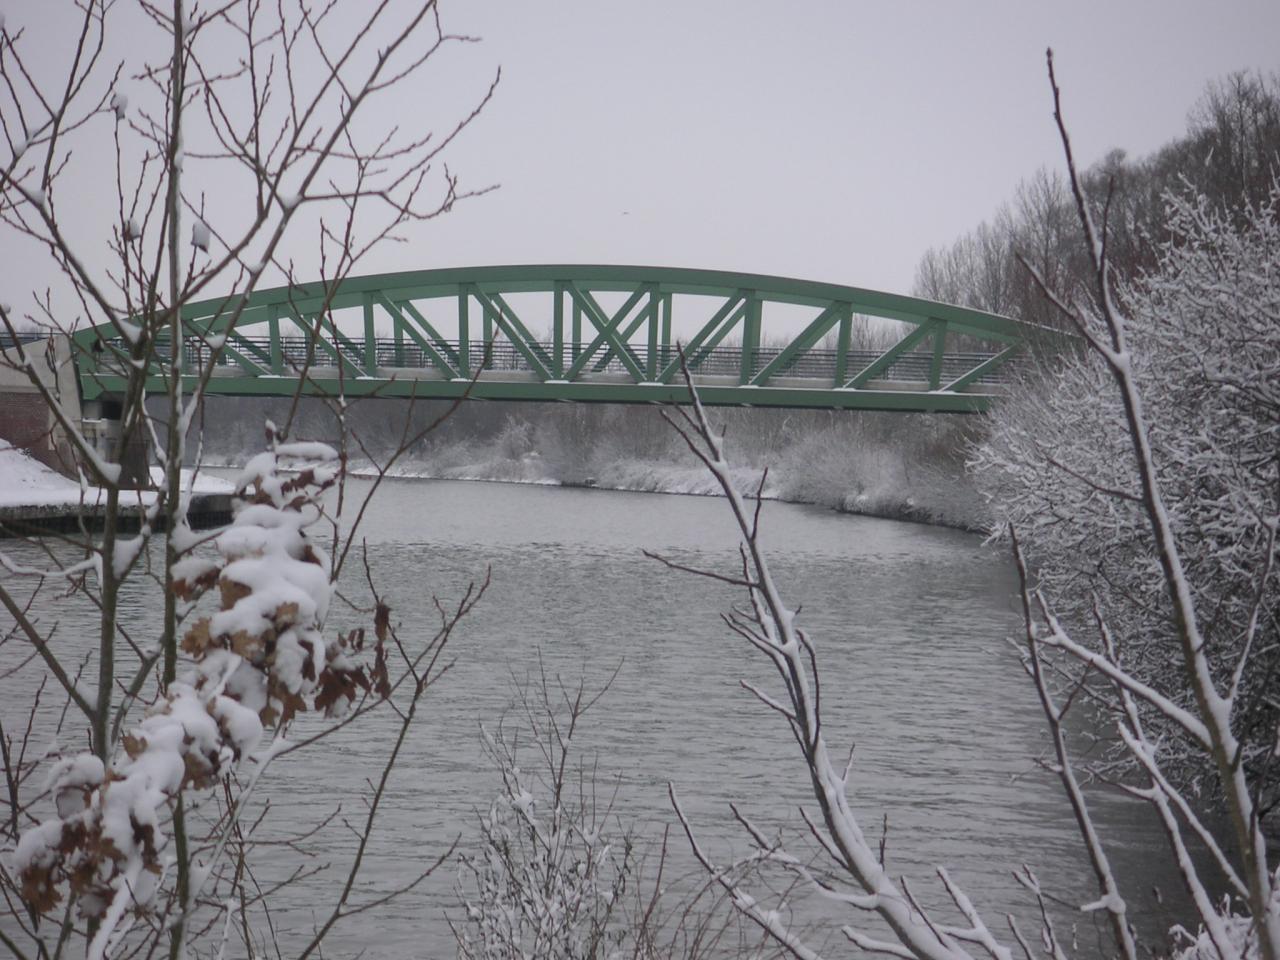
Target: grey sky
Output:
[(825, 140)]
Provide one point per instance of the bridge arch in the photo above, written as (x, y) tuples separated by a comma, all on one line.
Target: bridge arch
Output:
[(265, 340)]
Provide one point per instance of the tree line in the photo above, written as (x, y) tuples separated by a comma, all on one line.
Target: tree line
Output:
[(1228, 156)]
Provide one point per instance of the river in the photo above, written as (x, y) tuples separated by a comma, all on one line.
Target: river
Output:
[(910, 623)]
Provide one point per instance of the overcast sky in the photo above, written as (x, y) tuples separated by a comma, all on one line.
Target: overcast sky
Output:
[(824, 140)]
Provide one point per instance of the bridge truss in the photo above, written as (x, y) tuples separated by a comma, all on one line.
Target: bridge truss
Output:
[(609, 339)]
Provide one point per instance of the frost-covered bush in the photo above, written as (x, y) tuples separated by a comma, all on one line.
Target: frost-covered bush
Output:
[(550, 873), (1059, 466), (516, 439), (255, 662), (914, 474), (555, 873), (1240, 934)]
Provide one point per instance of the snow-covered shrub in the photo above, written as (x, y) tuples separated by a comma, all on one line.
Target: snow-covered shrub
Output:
[(914, 475), (1240, 934), (554, 872), (516, 439), (550, 873)]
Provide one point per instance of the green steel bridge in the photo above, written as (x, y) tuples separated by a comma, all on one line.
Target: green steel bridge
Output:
[(610, 340)]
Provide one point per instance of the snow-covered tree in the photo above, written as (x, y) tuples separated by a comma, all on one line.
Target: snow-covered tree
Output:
[(1058, 466)]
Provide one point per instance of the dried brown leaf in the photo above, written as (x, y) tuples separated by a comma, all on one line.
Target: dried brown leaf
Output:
[(253, 647), (232, 592), (197, 639)]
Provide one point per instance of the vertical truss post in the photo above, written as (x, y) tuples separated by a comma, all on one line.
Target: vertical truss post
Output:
[(370, 341), (750, 338), (399, 328), (464, 332), (273, 331), (666, 330), (486, 331), (557, 331), (577, 329), (655, 303), (935, 364), (843, 336)]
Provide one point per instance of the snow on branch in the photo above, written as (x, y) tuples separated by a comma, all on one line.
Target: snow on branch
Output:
[(770, 626), (255, 663)]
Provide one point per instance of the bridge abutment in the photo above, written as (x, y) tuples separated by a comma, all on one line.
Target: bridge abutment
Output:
[(26, 420), (29, 423)]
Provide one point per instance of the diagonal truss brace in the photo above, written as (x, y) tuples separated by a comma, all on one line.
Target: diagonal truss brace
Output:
[(713, 331), (608, 332), (442, 356), (991, 363), (325, 325), (886, 359), (810, 335), (496, 307)]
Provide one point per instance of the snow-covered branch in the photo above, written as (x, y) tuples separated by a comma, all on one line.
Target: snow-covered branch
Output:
[(771, 627)]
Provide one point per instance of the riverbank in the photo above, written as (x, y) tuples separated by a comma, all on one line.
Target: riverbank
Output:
[(639, 476), (36, 500), (900, 466), (935, 500)]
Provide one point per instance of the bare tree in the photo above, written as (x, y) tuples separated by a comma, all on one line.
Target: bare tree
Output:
[(1229, 156), (224, 133)]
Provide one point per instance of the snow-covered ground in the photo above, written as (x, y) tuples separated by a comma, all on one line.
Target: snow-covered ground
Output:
[(26, 482)]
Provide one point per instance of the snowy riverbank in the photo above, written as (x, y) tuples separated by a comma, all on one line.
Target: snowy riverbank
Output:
[(35, 497), (921, 503), (31, 491)]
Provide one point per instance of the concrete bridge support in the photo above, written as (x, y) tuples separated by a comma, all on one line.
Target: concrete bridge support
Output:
[(25, 419), (28, 422)]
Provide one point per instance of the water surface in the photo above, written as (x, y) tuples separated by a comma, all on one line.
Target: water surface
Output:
[(910, 623)]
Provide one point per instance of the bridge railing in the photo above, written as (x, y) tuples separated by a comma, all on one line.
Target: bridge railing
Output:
[(816, 364)]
